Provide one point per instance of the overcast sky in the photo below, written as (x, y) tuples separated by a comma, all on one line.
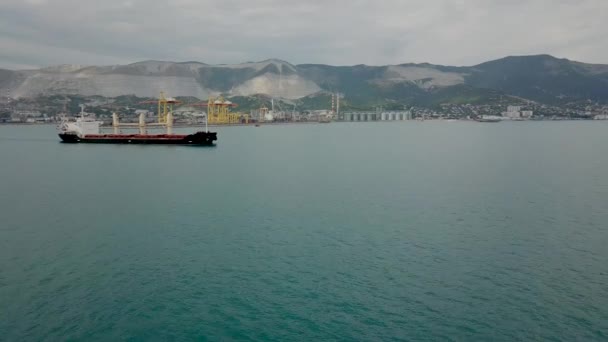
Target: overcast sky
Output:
[(37, 33)]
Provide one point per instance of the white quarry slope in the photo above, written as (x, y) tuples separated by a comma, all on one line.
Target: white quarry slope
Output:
[(63, 68), (289, 87), (258, 65), (423, 77), (148, 78), (109, 85)]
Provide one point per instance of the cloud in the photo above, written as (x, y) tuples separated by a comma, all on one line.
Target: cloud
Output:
[(455, 32)]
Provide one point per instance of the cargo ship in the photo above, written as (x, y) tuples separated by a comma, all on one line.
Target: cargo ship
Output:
[(198, 138), (88, 130)]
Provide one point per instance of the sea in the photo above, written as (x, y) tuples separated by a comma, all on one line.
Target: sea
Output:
[(402, 231)]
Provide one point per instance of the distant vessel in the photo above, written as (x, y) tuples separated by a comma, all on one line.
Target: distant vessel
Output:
[(489, 119), (87, 130)]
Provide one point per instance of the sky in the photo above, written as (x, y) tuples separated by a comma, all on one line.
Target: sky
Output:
[(38, 33)]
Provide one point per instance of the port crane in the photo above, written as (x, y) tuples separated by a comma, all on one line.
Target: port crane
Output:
[(218, 111), (165, 106)]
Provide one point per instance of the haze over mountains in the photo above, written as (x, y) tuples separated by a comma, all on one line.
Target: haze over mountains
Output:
[(540, 78)]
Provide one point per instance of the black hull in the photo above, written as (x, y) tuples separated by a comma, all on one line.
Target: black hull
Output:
[(198, 138)]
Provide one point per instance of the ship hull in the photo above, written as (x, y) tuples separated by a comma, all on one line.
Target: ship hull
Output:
[(488, 120), (198, 138)]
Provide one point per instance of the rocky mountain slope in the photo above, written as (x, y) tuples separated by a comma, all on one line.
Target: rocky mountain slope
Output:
[(540, 78)]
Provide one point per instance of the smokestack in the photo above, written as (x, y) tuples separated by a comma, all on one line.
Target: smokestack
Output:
[(338, 104)]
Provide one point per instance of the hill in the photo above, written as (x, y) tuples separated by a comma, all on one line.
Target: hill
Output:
[(542, 78)]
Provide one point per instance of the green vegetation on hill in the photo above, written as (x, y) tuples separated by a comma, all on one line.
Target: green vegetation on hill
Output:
[(223, 79), (543, 78)]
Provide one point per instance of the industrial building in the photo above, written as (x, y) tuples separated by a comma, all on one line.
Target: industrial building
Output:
[(377, 116), (515, 113)]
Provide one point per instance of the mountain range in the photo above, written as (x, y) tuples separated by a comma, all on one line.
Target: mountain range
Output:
[(539, 78)]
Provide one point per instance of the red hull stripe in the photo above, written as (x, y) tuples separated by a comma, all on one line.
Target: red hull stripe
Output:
[(135, 136)]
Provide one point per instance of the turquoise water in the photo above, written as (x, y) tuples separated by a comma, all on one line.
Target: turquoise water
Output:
[(406, 231)]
